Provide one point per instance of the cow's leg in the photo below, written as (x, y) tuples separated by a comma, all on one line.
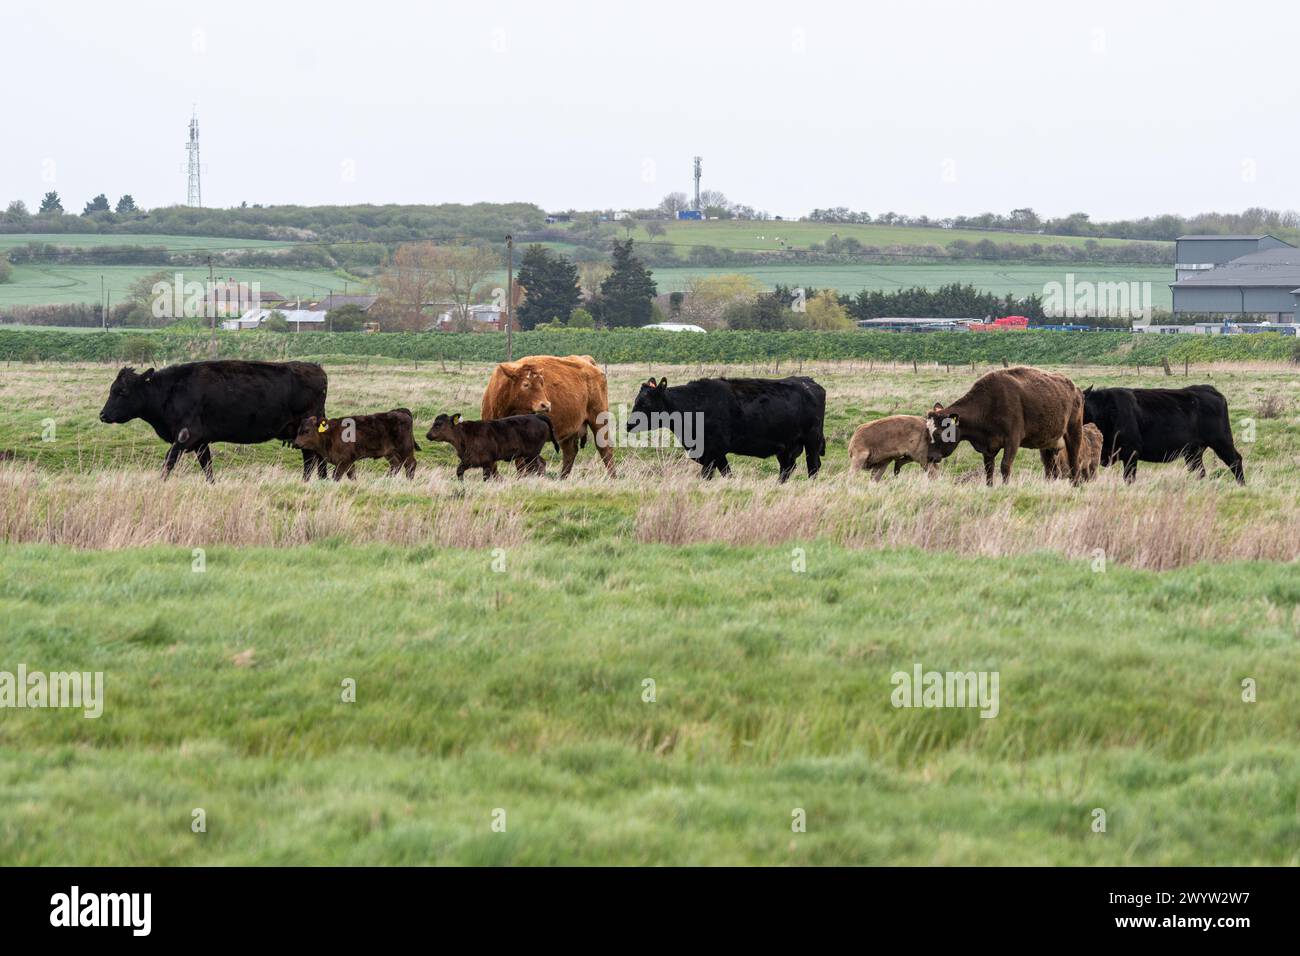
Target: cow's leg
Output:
[(1008, 456), (409, 465), (204, 455), (341, 469), (724, 467), (460, 472), (1050, 470), (569, 449), (169, 462), (605, 447), (490, 471), (879, 471), (787, 460), (813, 455), (1130, 468), (1229, 455), (898, 465), (990, 459), (1195, 458)]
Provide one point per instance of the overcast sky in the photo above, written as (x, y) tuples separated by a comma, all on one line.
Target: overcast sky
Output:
[(1116, 109)]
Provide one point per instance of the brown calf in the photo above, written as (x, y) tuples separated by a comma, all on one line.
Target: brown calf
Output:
[(895, 438), (518, 438), (344, 441), (1089, 457)]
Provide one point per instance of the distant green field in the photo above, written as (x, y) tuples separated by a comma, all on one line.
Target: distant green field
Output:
[(774, 236), (997, 277), (53, 284), (177, 243), (47, 284)]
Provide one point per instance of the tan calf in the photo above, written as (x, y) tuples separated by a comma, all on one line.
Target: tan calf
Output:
[(898, 439)]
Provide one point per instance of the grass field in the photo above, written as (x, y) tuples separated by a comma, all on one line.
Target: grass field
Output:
[(500, 637), (996, 277), (46, 284), (774, 236), (172, 243), (58, 284)]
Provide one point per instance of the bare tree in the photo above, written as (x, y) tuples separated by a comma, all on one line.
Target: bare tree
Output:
[(674, 203), (654, 229)]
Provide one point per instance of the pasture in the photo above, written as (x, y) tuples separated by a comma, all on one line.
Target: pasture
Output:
[(773, 236), (500, 636), (54, 283)]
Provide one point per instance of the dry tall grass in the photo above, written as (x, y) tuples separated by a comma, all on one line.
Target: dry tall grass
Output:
[(1166, 520)]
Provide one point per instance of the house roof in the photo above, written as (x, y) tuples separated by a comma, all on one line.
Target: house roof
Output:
[(291, 315), (1270, 268), (1262, 235)]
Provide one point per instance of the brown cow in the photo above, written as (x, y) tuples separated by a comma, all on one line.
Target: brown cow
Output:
[(483, 444), (895, 438), (571, 391), (1010, 409), (1089, 456), (344, 441)]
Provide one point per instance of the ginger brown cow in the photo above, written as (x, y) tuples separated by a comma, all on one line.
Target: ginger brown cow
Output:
[(483, 444), (569, 390), (1009, 409), (1089, 456), (344, 441), (896, 438)]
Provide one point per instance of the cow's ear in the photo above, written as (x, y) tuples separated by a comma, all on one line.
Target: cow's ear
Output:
[(1087, 390), (324, 425), (937, 407), (663, 383), (651, 383), (147, 374), (455, 419)]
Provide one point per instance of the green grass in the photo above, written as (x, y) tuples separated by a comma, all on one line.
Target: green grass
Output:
[(48, 284), (523, 691), (175, 243), (764, 236), (999, 278)]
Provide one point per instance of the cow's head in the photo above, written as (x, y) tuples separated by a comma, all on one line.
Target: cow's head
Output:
[(127, 397), (1099, 409), (651, 401), (444, 428), (525, 392), (313, 432), (944, 429)]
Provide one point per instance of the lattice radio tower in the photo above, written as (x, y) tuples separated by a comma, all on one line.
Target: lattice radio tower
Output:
[(697, 182), (192, 147)]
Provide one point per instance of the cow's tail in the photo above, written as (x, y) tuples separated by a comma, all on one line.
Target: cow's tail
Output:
[(551, 429), (416, 446)]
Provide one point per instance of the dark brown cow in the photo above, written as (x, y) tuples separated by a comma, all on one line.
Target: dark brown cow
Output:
[(519, 438), (1010, 409), (344, 441)]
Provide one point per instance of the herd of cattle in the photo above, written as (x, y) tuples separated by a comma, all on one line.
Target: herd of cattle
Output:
[(560, 401)]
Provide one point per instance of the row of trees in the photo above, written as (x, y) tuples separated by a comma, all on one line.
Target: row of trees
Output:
[(1163, 228), (17, 213), (619, 295)]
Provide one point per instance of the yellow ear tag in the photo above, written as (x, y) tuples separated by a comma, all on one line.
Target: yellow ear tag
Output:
[(323, 427)]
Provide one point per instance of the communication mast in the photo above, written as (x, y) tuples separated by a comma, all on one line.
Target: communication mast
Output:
[(192, 147), (697, 181)]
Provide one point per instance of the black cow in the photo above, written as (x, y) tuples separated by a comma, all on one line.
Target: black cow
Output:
[(1162, 424), (192, 405), (717, 417)]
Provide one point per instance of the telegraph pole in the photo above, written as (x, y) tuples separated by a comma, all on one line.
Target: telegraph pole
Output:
[(510, 298), (103, 304)]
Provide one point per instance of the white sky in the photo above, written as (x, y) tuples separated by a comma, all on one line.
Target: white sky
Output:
[(1116, 109)]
